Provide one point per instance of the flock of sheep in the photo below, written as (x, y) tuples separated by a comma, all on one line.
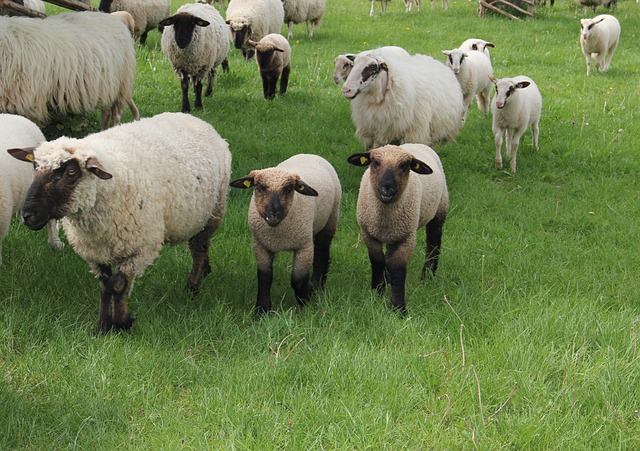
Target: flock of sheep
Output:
[(118, 207)]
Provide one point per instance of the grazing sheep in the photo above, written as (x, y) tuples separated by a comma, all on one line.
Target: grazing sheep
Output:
[(298, 11), (15, 177), (408, 4), (124, 192), (273, 55), (477, 44), (397, 99), (344, 63), (383, 4), (402, 190), (127, 20), (472, 69), (281, 220), (516, 106), (599, 36), (253, 19), (196, 41), (147, 14), (593, 4), (69, 63)]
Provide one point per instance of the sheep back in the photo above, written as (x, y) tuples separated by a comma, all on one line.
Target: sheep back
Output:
[(298, 11), (147, 14), (263, 17)]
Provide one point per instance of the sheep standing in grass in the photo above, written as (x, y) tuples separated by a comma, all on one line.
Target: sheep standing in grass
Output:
[(397, 99), (253, 19), (344, 63), (273, 56), (472, 69), (477, 44), (599, 36), (298, 11), (516, 106), (147, 14), (15, 177), (196, 41), (383, 5), (126, 191), (408, 5), (402, 190), (294, 207)]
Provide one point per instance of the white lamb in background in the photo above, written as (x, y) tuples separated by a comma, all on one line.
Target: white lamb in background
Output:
[(298, 11), (599, 36), (516, 106), (477, 44), (147, 14), (251, 19)]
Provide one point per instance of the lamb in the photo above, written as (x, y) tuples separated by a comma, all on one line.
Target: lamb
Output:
[(147, 14), (273, 55), (69, 63), (195, 41), (298, 11), (15, 177), (477, 44), (344, 63), (516, 105), (472, 69), (281, 220), (253, 19), (397, 99), (402, 190), (119, 206), (599, 36)]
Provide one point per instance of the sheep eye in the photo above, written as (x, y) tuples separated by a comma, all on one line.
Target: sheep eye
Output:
[(287, 189), (260, 188), (404, 167), (375, 164)]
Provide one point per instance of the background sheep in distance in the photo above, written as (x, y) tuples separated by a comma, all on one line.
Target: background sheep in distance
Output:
[(298, 11), (273, 56), (599, 36), (253, 19), (147, 14), (477, 44)]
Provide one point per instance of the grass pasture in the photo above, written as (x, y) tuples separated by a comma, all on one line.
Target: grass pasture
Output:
[(527, 338)]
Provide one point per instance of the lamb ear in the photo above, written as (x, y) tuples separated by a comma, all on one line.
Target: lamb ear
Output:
[(252, 43), (167, 22), (493, 79), (522, 84), (490, 44), (94, 166), (243, 182), (305, 189), (359, 159), (351, 56), (23, 153), (446, 52), (419, 167), (276, 49)]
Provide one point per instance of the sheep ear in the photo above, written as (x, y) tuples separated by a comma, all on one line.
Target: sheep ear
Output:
[(252, 43), (351, 56), (489, 44), (446, 52), (23, 154), (522, 84), (493, 79), (359, 159), (419, 167), (305, 189), (201, 22), (243, 182), (276, 49), (94, 166), (167, 22)]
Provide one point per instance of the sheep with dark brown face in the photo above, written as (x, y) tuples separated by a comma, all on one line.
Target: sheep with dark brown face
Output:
[(403, 189), (294, 207), (273, 55)]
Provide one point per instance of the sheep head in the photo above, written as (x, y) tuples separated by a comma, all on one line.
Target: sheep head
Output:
[(240, 32), (342, 67), (454, 59), (505, 88), (105, 6), (586, 25), (264, 53), (183, 25), (368, 74)]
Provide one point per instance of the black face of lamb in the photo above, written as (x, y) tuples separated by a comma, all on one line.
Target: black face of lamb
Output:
[(239, 37), (184, 26), (387, 186), (105, 6), (274, 212)]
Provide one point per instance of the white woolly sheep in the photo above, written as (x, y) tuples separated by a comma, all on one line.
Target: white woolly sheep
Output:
[(147, 14), (196, 41), (69, 63), (397, 99), (251, 19), (383, 5), (599, 36), (273, 56), (281, 220), (298, 11), (15, 177), (344, 63), (472, 69), (477, 44), (402, 190), (516, 106), (127, 20), (124, 192)]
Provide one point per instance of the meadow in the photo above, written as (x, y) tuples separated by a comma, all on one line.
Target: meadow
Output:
[(527, 337)]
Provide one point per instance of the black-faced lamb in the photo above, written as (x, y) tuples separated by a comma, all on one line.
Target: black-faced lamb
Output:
[(68, 63), (15, 177), (124, 192), (599, 36), (397, 99), (196, 42), (516, 106), (294, 207), (147, 14), (298, 11), (273, 56), (403, 189), (253, 19)]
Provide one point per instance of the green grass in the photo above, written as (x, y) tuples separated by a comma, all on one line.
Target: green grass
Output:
[(541, 268)]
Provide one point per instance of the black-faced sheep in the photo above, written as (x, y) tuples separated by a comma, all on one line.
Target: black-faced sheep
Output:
[(298, 11), (147, 14), (273, 56), (294, 207), (402, 190), (251, 19), (599, 36), (124, 192)]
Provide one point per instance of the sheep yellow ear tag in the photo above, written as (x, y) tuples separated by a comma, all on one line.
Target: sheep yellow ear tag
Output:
[(301, 188), (29, 157), (363, 160), (247, 183), (416, 166)]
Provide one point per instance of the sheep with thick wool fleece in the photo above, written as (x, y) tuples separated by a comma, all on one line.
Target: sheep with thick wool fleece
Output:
[(344, 62), (273, 56), (599, 36), (15, 177), (294, 207), (298, 11), (147, 14), (477, 44), (253, 19), (403, 189), (516, 106), (397, 99), (472, 69), (196, 41), (124, 192), (69, 63)]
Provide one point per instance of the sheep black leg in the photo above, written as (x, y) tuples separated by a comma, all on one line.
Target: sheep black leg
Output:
[(184, 85), (225, 65), (301, 288), (434, 240), (197, 89), (377, 260), (209, 89), (104, 318), (302, 263), (143, 38), (321, 258), (119, 284), (265, 278), (199, 248), (267, 90), (284, 80), (397, 278)]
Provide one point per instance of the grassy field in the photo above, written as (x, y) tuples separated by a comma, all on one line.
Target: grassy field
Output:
[(527, 338)]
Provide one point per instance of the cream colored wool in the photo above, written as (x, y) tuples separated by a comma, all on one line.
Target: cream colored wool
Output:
[(147, 14), (263, 17), (599, 36), (298, 11)]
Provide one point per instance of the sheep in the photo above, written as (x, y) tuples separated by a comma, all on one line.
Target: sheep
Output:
[(445, 4), (383, 5), (281, 220), (516, 106), (472, 69), (195, 41), (273, 56), (253, 19), (408, 4), (593, 4), (477, 44), (344, 63), (69, 63), (15, 177), (397, 99), (298, 11), (123, 192), (147, 14), (599, 36), (402, 190)]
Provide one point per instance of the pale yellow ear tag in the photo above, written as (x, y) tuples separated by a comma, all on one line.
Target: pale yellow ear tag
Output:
[(301, 188), (417, 166), (29, 157), (363, 160), (247, 183)]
